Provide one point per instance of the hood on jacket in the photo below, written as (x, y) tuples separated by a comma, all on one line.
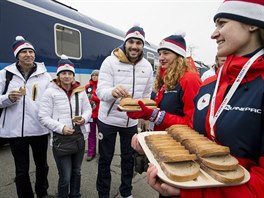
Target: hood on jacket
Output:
[(234, 64)]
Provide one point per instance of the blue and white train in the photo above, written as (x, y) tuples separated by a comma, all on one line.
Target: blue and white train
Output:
[(55, 29)]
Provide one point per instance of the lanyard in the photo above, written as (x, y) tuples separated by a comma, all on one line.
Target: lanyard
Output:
[(240, 76)]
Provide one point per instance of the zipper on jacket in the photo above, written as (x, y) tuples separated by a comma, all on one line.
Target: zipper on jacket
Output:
[(69, 99), (24, 102), (23, 115), (110, 108), (134, 79), (3, 123)]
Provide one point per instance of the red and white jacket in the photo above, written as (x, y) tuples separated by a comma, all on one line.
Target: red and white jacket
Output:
[(90, 89), (240, 126)]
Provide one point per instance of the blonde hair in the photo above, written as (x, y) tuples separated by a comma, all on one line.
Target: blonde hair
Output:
[(173, 74)]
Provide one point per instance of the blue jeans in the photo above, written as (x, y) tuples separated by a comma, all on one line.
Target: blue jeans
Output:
[(106, 151), (20, 151), (69, 168)]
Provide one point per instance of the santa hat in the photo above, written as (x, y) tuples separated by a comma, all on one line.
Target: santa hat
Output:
[(65, 65), (250, 12), (135, 32), (175, 43), (21, 44)]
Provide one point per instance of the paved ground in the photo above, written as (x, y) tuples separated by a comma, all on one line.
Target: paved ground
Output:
[(89, 173)]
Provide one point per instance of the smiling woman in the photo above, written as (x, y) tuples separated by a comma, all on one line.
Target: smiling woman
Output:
[(176, 85), (64, 109), (227, 102)]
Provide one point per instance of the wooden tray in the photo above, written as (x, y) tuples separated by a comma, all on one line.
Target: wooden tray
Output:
[(202, 181)]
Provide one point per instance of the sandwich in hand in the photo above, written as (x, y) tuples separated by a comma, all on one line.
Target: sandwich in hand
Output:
[(22, 90), (132, 104), (75, 118)]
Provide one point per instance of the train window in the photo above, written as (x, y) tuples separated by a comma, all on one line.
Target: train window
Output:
[(67, 41)]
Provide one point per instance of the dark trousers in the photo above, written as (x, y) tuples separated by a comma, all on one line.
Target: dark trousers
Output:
[(20, 151), (107, 140)]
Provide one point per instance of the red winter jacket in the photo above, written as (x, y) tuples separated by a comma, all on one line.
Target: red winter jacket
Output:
[(90, 89), (241, 130), (178, 103)]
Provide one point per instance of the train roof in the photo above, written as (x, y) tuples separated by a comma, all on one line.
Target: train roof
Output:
[(69, 12)]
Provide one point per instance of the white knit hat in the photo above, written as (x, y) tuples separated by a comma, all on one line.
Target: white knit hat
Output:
[(65, 65), (246, 11), (175, 43), (135, 32), (20, 44)]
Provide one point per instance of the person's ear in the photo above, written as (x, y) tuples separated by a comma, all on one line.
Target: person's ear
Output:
[(253, 28)]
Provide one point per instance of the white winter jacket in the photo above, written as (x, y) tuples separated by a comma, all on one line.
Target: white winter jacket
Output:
[(57, 110), (19, 119), (117, 70)]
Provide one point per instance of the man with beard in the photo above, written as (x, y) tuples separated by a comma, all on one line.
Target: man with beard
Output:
[(124, 73)]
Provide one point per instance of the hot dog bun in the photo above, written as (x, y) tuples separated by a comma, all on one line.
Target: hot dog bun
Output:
[(130, 103)]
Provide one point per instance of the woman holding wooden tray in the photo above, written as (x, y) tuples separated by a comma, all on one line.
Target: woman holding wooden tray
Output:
[(229, 106)]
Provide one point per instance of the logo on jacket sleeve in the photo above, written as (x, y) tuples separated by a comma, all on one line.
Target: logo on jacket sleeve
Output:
[(203, 101)]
